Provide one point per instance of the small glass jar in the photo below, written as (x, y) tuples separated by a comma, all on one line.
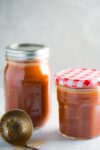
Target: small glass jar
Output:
[(27, 81), (78, 94)]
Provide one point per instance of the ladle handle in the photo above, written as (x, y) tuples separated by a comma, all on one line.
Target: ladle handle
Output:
[(31, 148)]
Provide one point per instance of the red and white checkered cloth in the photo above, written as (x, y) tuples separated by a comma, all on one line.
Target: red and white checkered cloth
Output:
[(78, 78)]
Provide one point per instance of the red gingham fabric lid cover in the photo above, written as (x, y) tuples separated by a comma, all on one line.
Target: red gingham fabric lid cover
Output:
[(78, 78)]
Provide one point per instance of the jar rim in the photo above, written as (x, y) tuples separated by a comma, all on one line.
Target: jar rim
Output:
[(71, 89), (26, 52)]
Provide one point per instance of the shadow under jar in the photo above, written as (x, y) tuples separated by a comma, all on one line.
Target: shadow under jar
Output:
[(78, 94), (27, 81)]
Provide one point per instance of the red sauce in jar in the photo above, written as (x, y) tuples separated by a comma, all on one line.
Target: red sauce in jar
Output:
[(79, 112), (27, 87)]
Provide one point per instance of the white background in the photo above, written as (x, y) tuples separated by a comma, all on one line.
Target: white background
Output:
[(71, 28)]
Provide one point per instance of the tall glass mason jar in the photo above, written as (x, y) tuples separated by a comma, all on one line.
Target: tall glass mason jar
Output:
[(78, 94), (27, 81)]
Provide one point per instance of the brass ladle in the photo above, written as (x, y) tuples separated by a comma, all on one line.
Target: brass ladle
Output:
[(16, 128)]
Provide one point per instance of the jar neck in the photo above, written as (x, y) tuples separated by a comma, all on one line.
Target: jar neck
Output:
[(28, 61), (79, 89)]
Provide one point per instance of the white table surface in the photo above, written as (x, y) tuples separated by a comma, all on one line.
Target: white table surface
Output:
[(49, 134)]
